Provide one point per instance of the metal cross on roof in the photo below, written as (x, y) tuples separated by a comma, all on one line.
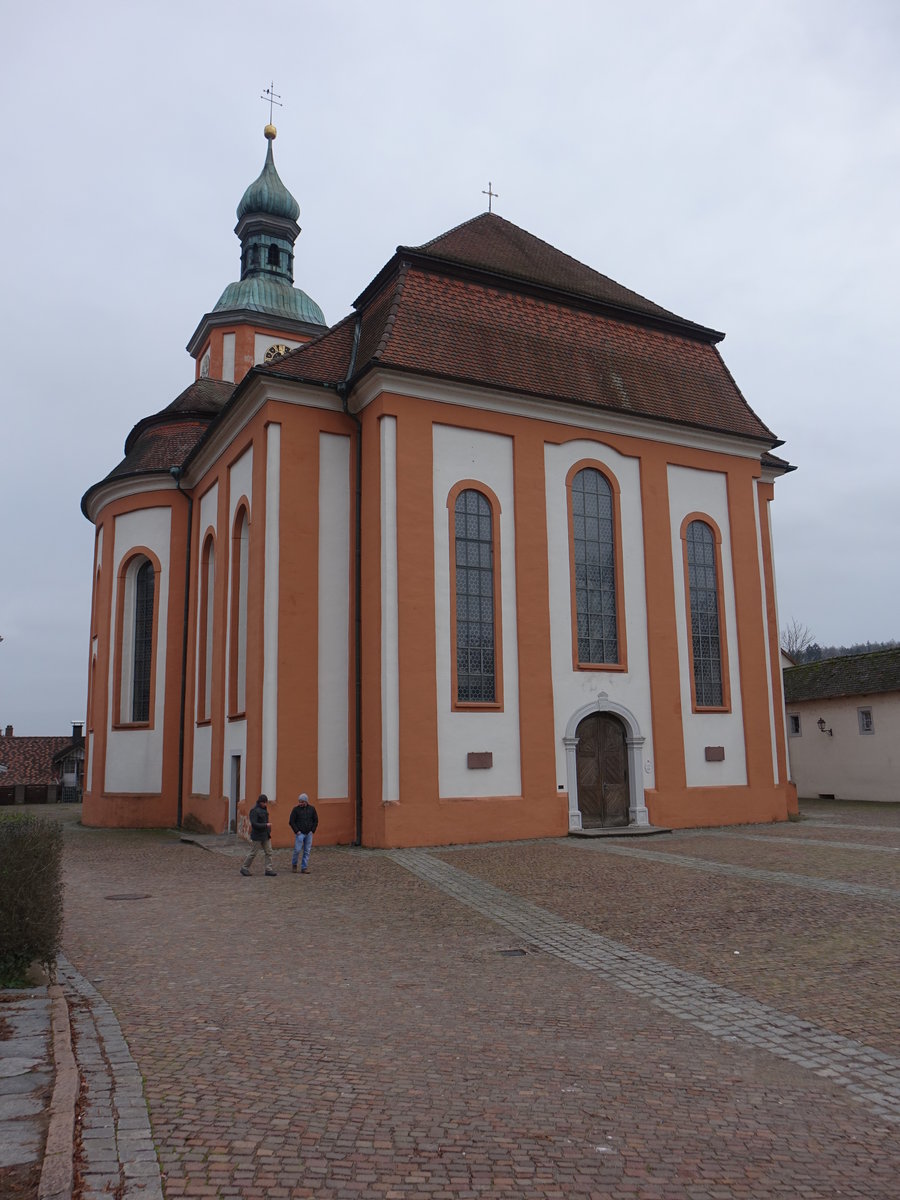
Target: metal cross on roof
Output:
[(491, 195), (274, 98)]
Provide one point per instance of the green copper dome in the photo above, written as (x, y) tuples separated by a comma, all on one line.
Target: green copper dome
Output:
[(267, 194), (256, 293)]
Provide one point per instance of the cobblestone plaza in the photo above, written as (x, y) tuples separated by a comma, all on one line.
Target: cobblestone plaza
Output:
[(701, 1015)]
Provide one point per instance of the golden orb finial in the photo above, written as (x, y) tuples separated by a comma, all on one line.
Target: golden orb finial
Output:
[(271, 132)]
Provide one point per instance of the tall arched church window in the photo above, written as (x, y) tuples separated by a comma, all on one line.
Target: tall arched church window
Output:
[(704, 594), (595, 566), (240, 564), (205, 629), (475, 599), (142, 648)]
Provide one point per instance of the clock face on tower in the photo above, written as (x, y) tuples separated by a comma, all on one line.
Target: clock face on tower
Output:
[(275, 351)]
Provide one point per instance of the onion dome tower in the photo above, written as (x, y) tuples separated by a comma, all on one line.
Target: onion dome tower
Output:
[(261, 315)]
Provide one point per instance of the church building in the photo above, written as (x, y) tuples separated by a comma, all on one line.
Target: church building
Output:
[(491, 558)]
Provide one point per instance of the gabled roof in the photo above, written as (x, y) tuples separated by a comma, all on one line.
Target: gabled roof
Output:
[(852, 675), (483, 323), (29, 760)]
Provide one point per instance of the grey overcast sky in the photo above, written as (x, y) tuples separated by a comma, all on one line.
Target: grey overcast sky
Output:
[(737, 163)]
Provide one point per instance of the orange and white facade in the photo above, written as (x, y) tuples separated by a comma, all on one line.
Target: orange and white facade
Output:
[(306, 619)]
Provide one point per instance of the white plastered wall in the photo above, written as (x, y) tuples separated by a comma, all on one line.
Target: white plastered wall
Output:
[(706, 492), (240, 483), (845, 763), (228, 341), (201, 764), (134, 756), (334, 616), (487, 458), (574, 689)]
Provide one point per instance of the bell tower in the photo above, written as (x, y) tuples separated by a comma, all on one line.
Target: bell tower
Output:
[(261, 315)]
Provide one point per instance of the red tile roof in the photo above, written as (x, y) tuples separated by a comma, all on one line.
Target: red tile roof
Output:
[(324, 360), (489, 243), (487, 334), (29, 760), (489, 305), (165, 439)]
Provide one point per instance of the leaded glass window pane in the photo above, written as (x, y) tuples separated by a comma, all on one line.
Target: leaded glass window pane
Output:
[(473, 529), (143, 642), (593, 535), (706, 642)]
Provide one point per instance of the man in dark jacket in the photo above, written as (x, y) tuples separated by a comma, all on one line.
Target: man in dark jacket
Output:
[(304, 820), (260, 836)]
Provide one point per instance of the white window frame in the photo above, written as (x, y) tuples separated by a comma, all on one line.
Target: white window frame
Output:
[(861, 714)]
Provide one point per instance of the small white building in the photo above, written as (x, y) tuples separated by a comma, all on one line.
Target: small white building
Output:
[(843, 724)]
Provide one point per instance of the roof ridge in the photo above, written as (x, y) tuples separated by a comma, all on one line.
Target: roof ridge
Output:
[(447, 232), (390, 319), (845, 658)]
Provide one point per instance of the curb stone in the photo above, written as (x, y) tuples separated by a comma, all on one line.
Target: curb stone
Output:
[(117, 1149)]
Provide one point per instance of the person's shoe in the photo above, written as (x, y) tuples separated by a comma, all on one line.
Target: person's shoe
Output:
[(244, 871), (304, 870), (294, 868), (271, 872)]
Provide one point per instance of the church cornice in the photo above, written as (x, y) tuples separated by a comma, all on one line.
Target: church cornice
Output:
[(573, 413), (262, 321)]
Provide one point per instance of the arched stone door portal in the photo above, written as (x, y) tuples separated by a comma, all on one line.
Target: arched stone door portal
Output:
[(612, 750), (601, 761)]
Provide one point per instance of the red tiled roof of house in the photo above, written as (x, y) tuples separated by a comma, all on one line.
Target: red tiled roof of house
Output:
[(29, 760)]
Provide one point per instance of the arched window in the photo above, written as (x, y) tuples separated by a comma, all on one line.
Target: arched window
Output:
[(273, 257), (135, 640), (475, 599), (142, 644), (594, 559), (701, 552), (240, 565), (205, 629)]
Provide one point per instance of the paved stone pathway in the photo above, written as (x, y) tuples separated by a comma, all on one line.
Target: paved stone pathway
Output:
[(807, 882), (115, 1154), (819, 824), (822, 843), (26, 1077), (872, 1076)]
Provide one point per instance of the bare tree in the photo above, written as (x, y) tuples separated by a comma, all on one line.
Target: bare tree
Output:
[(795, 638)]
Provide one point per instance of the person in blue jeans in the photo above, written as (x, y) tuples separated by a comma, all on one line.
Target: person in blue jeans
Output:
[(304, 821)]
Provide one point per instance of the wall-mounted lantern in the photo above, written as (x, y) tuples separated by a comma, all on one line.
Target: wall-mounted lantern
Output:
[(822, 729)]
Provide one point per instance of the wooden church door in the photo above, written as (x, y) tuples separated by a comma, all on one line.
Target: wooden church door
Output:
[(602, 766)]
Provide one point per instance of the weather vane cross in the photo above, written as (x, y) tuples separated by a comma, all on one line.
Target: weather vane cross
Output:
[(491, 195), (274, 98)]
